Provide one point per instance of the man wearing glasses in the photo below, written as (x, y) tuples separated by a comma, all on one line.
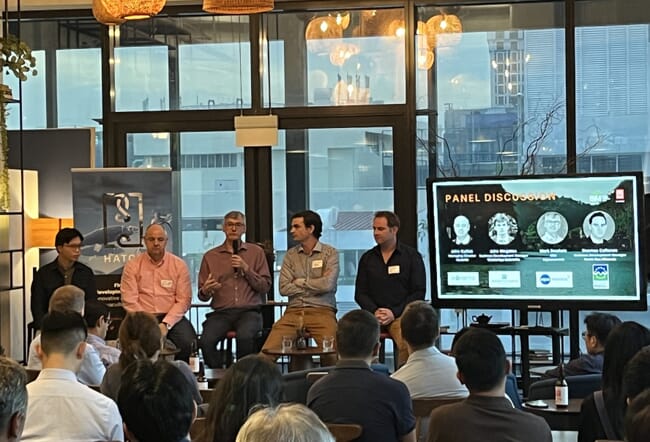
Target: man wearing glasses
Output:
[(64, 270), (235, 276), (98, 318), (158, 282), (599, 325)]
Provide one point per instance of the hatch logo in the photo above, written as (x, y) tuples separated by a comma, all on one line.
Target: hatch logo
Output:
[(600, 276)]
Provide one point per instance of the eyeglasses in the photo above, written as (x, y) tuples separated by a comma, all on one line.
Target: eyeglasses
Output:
[(585, 334), (237, 225), (73, 246), (296, 226)]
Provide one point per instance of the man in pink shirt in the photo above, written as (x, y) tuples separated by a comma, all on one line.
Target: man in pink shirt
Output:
[(158, 282)]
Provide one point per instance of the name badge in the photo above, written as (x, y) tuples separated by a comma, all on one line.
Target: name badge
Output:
[(166, 283), (317, 264), (393, 270)]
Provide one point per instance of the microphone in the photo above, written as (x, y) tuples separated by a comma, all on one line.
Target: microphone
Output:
[(235, 250)]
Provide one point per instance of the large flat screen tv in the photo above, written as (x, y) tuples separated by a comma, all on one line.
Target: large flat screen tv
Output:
[(542, 242)]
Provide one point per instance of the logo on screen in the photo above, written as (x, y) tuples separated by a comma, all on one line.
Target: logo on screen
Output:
[(620, 195), (545, 279), (600, 276)]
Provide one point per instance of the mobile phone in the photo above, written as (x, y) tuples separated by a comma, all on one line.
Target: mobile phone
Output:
[(537, 404)]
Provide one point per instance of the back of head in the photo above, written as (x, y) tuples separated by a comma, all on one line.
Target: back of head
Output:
[(156, 402), (637, 418), (624, 341), (67, 298), (93, 311), (286, 423), (311, 218), (139, 337), (419, 325), (252, 380), (600, 325), (459, 334), (13, 394), (65, 235), (636, 376), (481, 360), (62, 332), (357, 334)]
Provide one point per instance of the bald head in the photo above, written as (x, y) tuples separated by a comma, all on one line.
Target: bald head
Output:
[(155, 240)]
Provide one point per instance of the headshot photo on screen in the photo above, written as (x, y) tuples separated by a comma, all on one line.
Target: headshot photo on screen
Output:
[(599, 227), (461, 227), (552, 227), (502, 228)]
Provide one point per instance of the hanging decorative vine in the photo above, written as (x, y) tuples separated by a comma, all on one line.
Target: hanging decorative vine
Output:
[(4, 160)]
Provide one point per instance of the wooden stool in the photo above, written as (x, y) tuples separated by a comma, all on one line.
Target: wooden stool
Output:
[(382, 350)]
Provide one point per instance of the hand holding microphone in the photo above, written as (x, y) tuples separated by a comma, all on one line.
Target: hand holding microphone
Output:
[(235, 250)]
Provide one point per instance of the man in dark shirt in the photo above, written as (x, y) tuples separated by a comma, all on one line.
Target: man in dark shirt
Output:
[(353, 393), (390, 275), (486, 415), (64, 270), (598, 327)]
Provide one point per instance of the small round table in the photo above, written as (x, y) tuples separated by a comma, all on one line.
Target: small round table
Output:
[(299, 359), (566, 418)]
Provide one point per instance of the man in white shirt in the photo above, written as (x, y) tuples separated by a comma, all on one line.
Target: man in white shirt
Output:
[(60, 408), (427, 372), (98, 318), (71, 298)]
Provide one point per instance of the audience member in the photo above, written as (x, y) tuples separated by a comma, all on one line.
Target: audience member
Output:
[(158, 282), (71, 298), (60, 408), (13, 400), (427, 372), (64, 270), (98, 318), (353, 393), (308, 278), (636, 375), (236, 277), (389, 276), (598, 327), (622, 344), (252, 380), (286, 423), (140, 338), (637, 418), (156, 402), (482, 367)]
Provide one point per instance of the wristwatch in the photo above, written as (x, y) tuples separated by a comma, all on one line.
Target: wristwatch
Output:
[(169, 327)]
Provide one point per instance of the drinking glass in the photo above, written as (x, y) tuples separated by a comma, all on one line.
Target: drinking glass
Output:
[(328, 343), (287, 343)]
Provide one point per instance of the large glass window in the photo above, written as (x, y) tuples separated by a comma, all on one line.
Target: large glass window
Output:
[(334, 58), (497, 88), (612, 93), (176, 63), (343, 174)]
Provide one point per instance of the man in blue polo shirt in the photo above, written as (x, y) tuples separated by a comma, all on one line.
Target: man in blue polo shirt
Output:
[(390, 276), (353, 393)]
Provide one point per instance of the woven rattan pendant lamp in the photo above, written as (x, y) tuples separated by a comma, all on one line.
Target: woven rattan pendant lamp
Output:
[(116, 11), (237, 6)]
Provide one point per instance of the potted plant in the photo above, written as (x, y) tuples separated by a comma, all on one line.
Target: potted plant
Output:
[(15, 58)]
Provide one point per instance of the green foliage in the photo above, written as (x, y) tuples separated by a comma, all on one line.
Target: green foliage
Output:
[(16, 57)]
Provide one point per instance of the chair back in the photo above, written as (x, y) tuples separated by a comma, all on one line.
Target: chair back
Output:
[(422, 408), (206, 395), (296, 384), (313, 376), (580, 386), (32, 374), (345, 432), (197, 428)]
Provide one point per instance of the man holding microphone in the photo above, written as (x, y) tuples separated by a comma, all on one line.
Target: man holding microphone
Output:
[(235, 276)]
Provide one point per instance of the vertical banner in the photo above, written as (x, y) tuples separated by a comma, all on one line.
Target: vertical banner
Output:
[(112, 209)]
